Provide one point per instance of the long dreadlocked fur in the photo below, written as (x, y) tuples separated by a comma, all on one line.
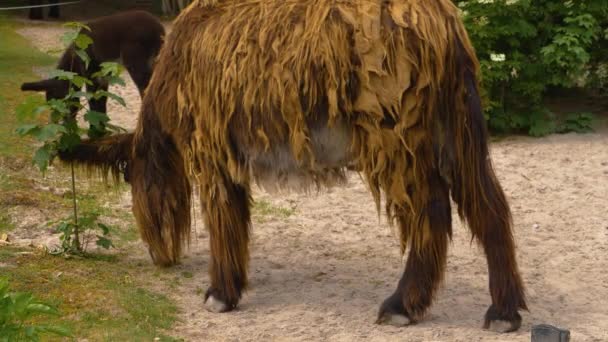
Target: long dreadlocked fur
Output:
[(293, 93)]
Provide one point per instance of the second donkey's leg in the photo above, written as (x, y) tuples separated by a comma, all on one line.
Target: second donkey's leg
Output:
[(54, 10)]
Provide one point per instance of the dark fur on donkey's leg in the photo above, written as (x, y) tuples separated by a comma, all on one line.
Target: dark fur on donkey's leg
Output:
[(228, 218), (482, 202), (426, 261)]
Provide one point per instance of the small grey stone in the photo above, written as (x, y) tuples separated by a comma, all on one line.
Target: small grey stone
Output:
[(549, 333)]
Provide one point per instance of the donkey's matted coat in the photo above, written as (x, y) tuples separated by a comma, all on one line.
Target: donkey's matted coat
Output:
[(296, 92)]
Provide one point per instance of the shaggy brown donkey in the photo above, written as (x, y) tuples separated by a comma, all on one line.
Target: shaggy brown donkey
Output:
[(295, 92), (132, 38)]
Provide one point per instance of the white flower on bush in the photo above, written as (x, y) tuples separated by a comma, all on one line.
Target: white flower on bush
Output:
[(514, 73), (497, 57)]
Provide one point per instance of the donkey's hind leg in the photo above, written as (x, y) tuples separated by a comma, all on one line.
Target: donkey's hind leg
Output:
[(427, 257), (228, 219), (490, 223)]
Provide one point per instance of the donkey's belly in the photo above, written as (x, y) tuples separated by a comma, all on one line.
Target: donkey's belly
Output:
[(277, 167)]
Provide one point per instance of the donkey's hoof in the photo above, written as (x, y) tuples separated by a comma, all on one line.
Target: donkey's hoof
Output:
[(215, 302), (501, 322), (215, 305), (392, 312), (397, 320)]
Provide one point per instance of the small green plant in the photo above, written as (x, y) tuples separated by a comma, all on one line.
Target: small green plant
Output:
[(61, 131), (16, 309), (89, 228)]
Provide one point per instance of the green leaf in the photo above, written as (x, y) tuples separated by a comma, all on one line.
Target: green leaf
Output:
[(97, 127), (104, 242), (105, 229), (42, 308), (77, 26), (42, 157), (83, 41), (30, 129), (80, 81), (84, 57), (62, 74), (88, 219), (111, 68), (103, 93), (96, 119), (49, 131), (69, 37), (30, 108), (68, 141), (58, 330), (59, 106), (112, 80)]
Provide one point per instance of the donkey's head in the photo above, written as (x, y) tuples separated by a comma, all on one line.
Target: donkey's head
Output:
[(53, 88)]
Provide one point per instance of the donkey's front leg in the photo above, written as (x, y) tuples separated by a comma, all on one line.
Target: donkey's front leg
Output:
[(226, 209)]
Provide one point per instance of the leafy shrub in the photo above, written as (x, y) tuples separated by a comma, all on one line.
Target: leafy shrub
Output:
[(16, 309), (62, 132), (526, 47), (87, 223)]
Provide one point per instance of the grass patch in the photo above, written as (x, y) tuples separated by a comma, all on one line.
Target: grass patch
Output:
[(6, 224), (17, 57), (100, 298), (265, 208)]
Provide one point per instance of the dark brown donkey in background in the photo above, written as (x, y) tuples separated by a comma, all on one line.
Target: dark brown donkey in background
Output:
[(131, 38), (37, 13)]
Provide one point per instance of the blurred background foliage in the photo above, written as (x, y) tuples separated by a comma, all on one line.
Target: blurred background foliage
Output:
[(535, 51)]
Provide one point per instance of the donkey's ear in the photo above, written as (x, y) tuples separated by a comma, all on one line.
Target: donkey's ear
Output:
[(38, 86), (108, 154)]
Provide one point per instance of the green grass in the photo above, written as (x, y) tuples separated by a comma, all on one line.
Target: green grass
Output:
[(264, 208), (17, 57), (100, 298), (6, 225)]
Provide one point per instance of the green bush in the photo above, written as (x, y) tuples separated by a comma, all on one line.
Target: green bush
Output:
[(527, 47)]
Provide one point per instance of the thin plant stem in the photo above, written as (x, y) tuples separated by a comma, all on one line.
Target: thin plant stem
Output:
[(76, 227)]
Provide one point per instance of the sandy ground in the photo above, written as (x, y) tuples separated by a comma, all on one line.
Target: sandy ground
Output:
[(321, 273)]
